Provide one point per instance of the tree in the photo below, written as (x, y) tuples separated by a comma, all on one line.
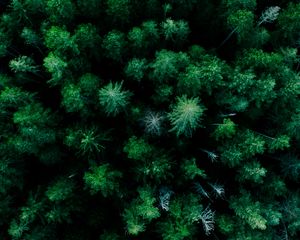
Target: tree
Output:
[(184, 213), (114, 44), (14, 97), (269, 15), (57, 67), (186, 115), (60, 190), (118, 10), (225, 129), (241, 22), (150, 161), (126, 119), (72, 98), (190, 169), (143, 38), (168, 64), (288, 22), (248, 210), (136, 69), (23, 64), (153, 123), (189, 82), (113, 99), (234, 5), (246, 145), (138, 149), (141, 211), (207, 75), (36, 129), (60, 41), (88, 142), (175, 31), (60, 11), (252, 171), (87, 38), (31, 37), (102, 179)]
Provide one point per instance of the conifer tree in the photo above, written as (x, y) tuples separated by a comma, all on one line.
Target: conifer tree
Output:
[(113, 98), (127, 119), (186, 115), (102, 178)]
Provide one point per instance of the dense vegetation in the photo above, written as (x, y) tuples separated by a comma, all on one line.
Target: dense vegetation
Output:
[(149, 119)]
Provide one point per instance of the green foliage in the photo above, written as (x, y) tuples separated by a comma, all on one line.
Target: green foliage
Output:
[(36, 130), (291, 211), (246, 145), (60, 42), (186, 115), (208, 75), (127, 119), (72, 99), (89, 83), (144, 37), (60, 190), (225, 130), (175, 31), (233, 5), (16, 229), (87, 38), (5, 42), (151, 162), (259, 60), (190, 82), (184, 213), (252, 171), (15, 97), (190, 169), (288, 22), (114, 44), (8, 174), (33, 115), (279, 143), (102, 179), (113, 98), (60, 11), (56, 66), (248, 210), (138, 149), (134, 224), (23, 64), (136, 69), (118, 10), (88, 142), (168, 64), (242, 21), (141, 211), (30, 37)]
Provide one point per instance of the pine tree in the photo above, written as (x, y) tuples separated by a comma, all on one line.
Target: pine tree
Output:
[(60, 11), (136, 69), (102, 179), (114, 44), (186, 115), (113, 98), (175, 31), (60, 41)]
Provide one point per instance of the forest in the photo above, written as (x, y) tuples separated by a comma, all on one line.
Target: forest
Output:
[(149, 120)]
